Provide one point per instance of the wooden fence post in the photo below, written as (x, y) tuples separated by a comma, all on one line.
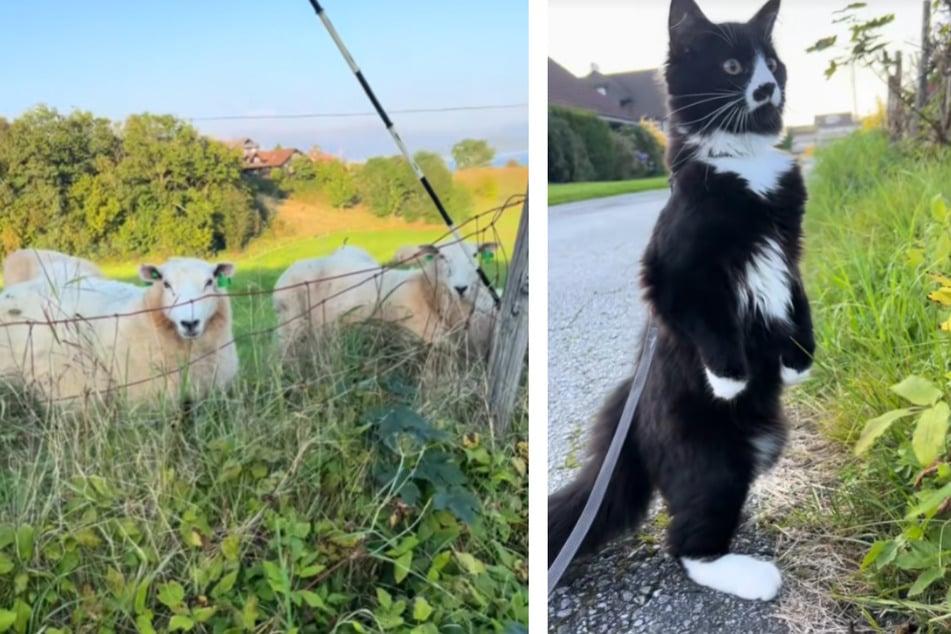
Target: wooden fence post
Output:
[(510, 343)]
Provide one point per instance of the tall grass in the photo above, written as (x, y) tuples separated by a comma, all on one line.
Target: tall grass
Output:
[(869, 238), (357, 488)]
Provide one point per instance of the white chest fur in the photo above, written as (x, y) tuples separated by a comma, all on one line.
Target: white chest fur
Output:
[(752, 157), (765, 284)]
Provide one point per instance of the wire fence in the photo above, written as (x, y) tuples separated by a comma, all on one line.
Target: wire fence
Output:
[(478, 227)]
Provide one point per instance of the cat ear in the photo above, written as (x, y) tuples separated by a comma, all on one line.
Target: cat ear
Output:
[(765, 18), (685, 16)]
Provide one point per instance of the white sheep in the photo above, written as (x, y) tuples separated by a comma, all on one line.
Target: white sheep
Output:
[(27, 264), (171, 338), (443, 295)]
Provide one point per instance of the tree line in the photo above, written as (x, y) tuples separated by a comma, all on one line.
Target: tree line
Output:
[(583, 147), (388, 186), (153, 184)]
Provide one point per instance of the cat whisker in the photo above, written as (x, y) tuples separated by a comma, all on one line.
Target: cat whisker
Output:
[(700, 101)]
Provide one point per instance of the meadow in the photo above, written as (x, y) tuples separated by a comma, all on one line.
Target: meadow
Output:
[(359, 490)]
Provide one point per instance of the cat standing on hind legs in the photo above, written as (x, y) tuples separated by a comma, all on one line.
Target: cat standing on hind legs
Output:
[(721, 278)]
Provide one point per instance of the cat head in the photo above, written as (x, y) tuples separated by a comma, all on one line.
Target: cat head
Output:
[(724, 77)]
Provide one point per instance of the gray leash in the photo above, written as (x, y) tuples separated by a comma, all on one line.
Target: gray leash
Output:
[(596, 497)]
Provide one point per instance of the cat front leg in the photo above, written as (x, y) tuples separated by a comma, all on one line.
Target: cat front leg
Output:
[(798, 349), (721, 352)]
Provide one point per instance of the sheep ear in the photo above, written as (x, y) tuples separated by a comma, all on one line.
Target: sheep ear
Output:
[(223, 273), (486, 250), (406, 255), (428, 251), (149, 273)]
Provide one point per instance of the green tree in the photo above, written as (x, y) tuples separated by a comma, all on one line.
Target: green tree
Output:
[(384, 185), (472, 153), (567, 157), (337, 182)]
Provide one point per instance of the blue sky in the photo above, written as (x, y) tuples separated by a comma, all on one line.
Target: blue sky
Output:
[(251, 57)]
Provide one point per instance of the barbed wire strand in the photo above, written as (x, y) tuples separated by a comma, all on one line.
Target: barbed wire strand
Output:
[(388, 123), (346, 115)]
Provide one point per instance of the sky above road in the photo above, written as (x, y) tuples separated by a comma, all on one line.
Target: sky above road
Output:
[(622, 35), (252, 58)]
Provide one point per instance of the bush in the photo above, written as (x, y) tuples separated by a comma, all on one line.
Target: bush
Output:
[(568, 160), (391, 188), (582, 147), (336, 181), (595, 134)]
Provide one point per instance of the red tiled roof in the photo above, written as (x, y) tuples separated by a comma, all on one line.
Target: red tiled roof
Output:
[(270, 158)]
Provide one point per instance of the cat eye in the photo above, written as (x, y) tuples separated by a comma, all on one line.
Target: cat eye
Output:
[(732, 67), (772, 64)]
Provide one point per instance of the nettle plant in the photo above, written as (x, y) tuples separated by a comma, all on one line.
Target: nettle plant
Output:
[(923, 546)]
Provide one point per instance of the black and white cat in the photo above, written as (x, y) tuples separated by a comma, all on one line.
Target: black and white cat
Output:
[(721, 278)]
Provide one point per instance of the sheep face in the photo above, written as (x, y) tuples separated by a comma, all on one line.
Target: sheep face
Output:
[(190, 295), (454, 265)]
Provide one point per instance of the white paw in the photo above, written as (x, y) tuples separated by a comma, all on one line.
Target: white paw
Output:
[(724, 387), (791, 376), (739, 575)]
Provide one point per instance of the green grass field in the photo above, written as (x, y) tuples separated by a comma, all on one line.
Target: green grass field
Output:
[(874, 234), (359, 490), (559, 193)]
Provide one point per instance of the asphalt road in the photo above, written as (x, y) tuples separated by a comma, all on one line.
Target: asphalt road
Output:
[(595, 313)]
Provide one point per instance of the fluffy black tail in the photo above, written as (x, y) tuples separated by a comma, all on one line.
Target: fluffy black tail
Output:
[(629, 490)]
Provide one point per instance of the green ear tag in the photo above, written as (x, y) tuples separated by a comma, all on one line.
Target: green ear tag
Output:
[(156, 275), (487, 256), (429, 257), (224, 282)]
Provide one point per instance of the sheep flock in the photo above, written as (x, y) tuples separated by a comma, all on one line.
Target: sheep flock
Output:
[(72, 336)]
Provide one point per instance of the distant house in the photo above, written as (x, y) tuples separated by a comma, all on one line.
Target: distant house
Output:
[(564, 89), (263, 162), (246, 145), (319, 156), (824, 127), (640, 94)]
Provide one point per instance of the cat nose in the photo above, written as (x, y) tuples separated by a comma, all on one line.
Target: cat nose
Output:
[(764, 92)]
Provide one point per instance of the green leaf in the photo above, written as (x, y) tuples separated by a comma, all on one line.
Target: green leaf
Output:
[(275, 577), (917, 390), (383, 598), (939, 209), (6, 564), (7, 619), (822, 44), (180, 622), (930, 435), (470, 564), (421, 609), (876, 427), (203, 614), (141, 596), (401, 566), (231, 547), (171, 594), (7, 536), (226, 583), (925, 579), (919, 556), (312, 599), (311, 571), (144, 623), (26, 540), (929, 500), (874, 552)]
